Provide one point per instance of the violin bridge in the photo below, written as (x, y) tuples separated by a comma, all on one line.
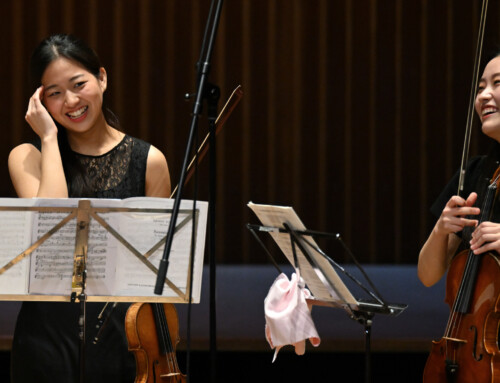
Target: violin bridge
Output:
[(455, 339), (170, 374)]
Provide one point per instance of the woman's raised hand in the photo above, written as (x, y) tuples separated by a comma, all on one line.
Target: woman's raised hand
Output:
[(38, 117)]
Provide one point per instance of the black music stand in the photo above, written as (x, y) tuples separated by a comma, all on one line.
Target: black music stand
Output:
[(318, 270)]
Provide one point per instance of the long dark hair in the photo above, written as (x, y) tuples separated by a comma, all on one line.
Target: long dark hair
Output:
[(74, 49)]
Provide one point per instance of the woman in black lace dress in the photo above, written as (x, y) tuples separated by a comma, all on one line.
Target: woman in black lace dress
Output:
[(80, 153)]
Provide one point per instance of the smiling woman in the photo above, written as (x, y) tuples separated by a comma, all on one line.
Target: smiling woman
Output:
[(80, 153), (473, 278), (456, 213)]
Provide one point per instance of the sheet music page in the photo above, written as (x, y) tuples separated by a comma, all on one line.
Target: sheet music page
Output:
[(52, 263), (145, 230), (275, 216), (102, 257), (15, 237)]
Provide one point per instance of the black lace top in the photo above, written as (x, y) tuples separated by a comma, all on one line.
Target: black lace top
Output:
[(119, 173), (46, 344)]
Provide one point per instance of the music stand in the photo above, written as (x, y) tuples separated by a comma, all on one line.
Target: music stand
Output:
[(317, 270), (64, 234)]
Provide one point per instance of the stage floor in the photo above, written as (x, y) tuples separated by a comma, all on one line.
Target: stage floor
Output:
[(313, 367)]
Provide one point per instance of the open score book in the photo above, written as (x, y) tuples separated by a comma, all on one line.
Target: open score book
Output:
[(125, 245)]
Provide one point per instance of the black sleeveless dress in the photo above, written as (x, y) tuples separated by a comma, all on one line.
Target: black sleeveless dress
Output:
[(46, 344)]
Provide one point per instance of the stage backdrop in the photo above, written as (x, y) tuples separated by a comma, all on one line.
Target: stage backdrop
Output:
[(354, 111)]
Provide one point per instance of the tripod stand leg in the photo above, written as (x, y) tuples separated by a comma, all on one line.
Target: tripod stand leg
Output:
[(365, 318), (368, 327)]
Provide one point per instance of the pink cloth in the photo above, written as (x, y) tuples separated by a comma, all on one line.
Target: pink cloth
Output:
[(288, 316)]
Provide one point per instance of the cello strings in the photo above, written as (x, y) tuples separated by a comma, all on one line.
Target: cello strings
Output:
[(455, 317), (468, 275)]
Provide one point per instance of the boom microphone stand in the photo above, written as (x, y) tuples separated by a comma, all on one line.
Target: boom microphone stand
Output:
[(201, 93)]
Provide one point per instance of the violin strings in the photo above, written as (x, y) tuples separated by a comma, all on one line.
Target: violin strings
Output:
[(165, 335)]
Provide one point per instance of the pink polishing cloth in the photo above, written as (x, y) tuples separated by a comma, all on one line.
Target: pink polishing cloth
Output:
[(288, 316)]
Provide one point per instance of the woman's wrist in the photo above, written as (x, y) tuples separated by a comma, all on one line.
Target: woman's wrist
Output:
[(49, 138)]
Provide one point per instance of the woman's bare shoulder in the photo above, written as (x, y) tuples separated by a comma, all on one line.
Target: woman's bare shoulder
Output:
[(24, 168), (157, 174), (24, 152)]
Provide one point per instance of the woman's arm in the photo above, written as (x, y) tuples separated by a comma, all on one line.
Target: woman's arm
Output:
[(34, 173), (442, 243), (435, 257)]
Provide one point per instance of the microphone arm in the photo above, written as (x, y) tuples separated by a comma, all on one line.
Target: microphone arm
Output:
[(203, 71)]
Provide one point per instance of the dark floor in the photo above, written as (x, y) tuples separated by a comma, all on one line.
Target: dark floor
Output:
[(242, 367)]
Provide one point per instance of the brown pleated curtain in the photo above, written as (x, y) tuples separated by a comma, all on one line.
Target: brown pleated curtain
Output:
[(353, 113)]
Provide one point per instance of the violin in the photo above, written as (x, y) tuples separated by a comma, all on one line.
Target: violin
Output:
[(469, 352), (153, 333)]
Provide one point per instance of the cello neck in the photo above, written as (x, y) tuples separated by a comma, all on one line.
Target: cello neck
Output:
[(466, 289)]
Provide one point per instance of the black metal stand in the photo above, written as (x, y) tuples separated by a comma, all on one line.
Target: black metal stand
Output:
[(79, 279), (211, 93), (359, 315), (204, 68), (82, 298), (366, 319), (212, 99), (364, 312)]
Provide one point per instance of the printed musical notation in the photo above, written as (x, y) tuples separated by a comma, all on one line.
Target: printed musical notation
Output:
[(52, 262), (122, 253), (13, 225)]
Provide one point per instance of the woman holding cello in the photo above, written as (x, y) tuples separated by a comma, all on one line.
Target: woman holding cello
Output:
[(468, 352)]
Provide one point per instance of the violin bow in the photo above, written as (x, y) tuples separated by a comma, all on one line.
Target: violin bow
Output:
[(226, 111), (472, 98)]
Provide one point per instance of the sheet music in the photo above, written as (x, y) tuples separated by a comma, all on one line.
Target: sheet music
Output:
[(101, 258), (52, 263), (135, 275), (13, 225), (330, 289), (112, 269)]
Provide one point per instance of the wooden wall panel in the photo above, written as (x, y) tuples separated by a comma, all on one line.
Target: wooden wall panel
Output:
[(353, 112)]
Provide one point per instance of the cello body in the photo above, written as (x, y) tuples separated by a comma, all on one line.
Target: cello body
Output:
[(154, 362), (469, 350)]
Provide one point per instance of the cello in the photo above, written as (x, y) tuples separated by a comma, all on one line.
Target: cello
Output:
[(468, 352)]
